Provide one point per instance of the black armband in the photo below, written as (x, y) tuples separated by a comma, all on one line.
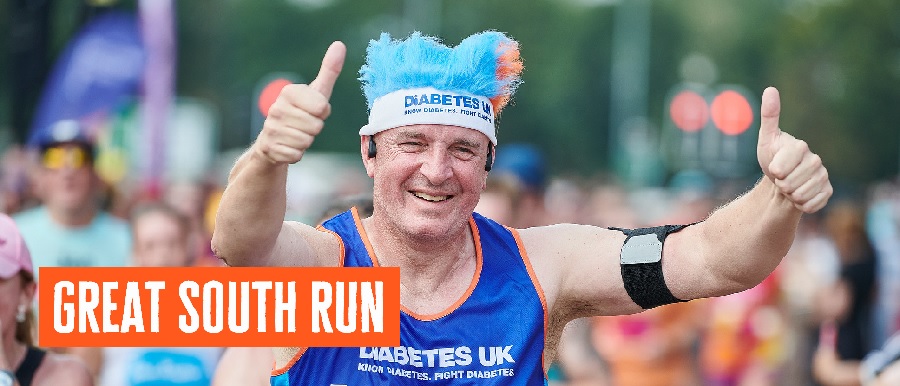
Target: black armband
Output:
[(641, 262)]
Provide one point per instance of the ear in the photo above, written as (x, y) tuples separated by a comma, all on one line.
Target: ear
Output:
[(489, 164), (368, 162)]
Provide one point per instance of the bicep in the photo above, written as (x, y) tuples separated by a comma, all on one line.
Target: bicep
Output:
[(578, 268), (300, 245)]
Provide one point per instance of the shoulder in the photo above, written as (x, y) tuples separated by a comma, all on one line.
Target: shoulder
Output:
[(325, 246), (578, 268), (58, 369)]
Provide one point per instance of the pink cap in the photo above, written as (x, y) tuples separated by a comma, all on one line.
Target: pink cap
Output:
[(14, 255)]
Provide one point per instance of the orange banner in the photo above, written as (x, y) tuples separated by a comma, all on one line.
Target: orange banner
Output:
[(219, 307)]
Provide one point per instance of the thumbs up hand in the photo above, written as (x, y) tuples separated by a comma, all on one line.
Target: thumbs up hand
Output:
[(787, 161), (299, 113)]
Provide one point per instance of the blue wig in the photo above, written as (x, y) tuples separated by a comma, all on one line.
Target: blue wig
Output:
[(485, 64)]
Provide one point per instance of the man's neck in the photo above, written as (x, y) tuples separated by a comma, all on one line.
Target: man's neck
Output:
[(426, 263), (73, 218)]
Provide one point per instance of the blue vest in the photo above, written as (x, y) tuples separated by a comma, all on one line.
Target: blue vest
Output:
[(494, 335)]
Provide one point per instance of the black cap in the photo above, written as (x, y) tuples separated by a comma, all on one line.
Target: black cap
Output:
[(67, 131)]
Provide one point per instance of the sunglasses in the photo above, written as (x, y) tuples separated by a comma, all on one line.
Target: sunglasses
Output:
[(59, 157)]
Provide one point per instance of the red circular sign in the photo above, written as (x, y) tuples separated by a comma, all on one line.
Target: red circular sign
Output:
[(270, 93), (732, 113), (688, 111)]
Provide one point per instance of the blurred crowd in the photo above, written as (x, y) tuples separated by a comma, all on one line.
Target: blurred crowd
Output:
[(826, 316)]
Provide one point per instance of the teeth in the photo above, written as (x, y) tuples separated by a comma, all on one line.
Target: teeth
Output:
[(430, 197)]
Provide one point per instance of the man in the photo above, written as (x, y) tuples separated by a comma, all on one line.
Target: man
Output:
[(70, 229), (481, 302)]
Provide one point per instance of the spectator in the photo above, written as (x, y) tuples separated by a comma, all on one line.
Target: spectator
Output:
[(20, 360), (190, 198), (845, 306), (70, 228), (879, 368), (849, 302), (883, 227), (501, 199), (525, 163), (15, 193)]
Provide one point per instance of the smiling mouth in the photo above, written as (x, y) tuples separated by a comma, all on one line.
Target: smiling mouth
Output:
[(430, 198)]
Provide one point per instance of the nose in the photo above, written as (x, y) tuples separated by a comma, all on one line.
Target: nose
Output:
[(436, 166)]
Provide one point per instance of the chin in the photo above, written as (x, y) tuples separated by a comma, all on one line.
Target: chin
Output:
[(429, 228)]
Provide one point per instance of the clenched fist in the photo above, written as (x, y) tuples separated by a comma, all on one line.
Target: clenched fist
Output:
[(787, 161), (299, 113)]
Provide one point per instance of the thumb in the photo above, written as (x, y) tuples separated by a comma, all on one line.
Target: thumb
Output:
[(332, 64), (769, 112)]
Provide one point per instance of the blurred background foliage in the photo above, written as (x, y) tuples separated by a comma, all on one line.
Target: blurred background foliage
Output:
[(836, 62)]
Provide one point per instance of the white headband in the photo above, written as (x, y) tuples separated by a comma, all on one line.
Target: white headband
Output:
[(430, 106)]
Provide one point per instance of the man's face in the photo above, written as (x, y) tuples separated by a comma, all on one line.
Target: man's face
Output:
[(427, 177), (66, 177)]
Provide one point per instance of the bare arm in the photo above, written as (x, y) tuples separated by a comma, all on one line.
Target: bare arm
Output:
[(250, 230), (733, 250), (830, 370), (743, 242)]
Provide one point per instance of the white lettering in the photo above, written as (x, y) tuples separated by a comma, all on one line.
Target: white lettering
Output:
[(59, 307), (320, 305), (233, 307), (154, 287), (86, 307), (132, 315), (194, 324)]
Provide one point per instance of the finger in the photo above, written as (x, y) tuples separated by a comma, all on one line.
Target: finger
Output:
[(787, 158), (297, 138), (332, 64), (810, 187), (769, 111), (283, 153), (296, 98), (810, 166), (294, 118), (818, 202)]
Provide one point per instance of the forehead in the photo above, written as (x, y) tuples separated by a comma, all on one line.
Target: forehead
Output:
[(438, 133), (154, 222)]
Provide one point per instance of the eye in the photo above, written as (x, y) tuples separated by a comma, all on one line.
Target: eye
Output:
[(412, 146), (463, 152)]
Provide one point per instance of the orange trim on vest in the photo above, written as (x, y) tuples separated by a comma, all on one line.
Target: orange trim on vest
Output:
[(537, 286), (364, 237), (294, 359), (340, 242)]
